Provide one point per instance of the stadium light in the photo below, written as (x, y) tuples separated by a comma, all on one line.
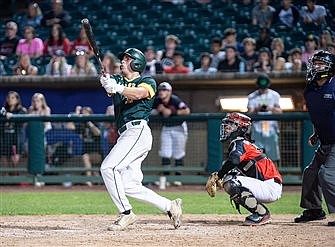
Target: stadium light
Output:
[(240, 103)]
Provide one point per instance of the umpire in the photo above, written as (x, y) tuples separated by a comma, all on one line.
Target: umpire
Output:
[(319, 176)]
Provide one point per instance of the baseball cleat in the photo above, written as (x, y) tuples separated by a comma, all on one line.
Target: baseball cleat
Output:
[(176, 212), (257, 220), (122, 222), (310, 215)]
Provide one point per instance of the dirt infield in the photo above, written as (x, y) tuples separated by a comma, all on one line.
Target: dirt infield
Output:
[(156, 230)]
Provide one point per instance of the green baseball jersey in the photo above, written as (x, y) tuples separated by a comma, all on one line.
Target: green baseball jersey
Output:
[(128, 110)]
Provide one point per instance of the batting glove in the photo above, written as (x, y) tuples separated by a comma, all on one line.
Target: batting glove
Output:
[(110, 84)]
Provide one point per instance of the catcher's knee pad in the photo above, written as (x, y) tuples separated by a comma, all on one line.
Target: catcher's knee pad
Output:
[(242, 196)]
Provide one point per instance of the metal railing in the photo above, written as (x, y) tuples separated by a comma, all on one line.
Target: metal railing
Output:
[(55, 156)]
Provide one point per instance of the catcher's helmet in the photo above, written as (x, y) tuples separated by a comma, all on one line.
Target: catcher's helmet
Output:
[(320, 65), (139, 62), (234, 125)]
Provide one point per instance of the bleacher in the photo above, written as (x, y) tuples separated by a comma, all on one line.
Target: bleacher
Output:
[(119, 24)]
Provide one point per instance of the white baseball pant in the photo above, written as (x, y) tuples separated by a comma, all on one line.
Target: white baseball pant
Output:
[(121, 169), (173, 141), (264, 191)]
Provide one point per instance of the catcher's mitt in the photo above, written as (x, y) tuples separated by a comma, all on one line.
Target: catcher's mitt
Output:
[(213, 183)]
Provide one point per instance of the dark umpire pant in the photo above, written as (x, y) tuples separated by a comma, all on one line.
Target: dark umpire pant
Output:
[(319, 178)]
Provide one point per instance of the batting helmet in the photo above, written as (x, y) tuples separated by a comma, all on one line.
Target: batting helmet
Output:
[(234, 125), (139, 62), (325, 67)]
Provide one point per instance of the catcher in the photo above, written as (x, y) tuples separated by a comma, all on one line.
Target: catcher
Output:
[(247, 175)]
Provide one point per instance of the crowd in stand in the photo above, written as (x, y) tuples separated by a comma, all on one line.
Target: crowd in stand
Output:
[(264, 53)]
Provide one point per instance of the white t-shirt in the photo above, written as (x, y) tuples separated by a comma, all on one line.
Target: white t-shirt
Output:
[(319, 11)]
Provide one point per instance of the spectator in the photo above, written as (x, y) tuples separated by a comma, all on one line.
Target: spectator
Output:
[(165, 57), (279, 56), (331, 48), (324, 39), (30, 45), (264, 38), (264, 63), (153, 67), (83, 66), (287, 15), (217, 54), (111, 63), (81, 43), (312, 13), (33, 16), (262, 14), (230, 39), (110, 132), (9, 43), (265, 101), (2, 69), (24, 66), (56, 15), (174, 133), (57, 41), (205, 61), (311, 45), (91, 136), (249, 53), (178, 64), (11, 133), (40, 107), (232, 61), (58, 65), (294, 63)]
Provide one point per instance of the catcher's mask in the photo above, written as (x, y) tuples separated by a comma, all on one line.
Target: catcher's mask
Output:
[(139, 62), (320, 65), (234, 125)]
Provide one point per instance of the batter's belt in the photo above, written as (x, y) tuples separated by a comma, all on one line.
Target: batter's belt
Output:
[(130, 124)]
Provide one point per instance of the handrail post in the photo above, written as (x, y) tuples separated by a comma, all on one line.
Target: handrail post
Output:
[(214, 146), (36, 158)]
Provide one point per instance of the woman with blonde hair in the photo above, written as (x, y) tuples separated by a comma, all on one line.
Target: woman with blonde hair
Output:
[(279, 56), (83, 66), (39, 107), (325, 38), (58, 65), (24, 66), (111, 63), (33, 16)]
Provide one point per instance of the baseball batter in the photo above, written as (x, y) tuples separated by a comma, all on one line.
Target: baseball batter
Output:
[(247, 175), (133, 97), (319, 176), (174, 133)]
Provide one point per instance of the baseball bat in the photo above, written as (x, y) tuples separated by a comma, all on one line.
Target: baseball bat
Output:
[(91, 40)]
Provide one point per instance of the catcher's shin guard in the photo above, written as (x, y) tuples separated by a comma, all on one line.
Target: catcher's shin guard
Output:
[(243, 197)]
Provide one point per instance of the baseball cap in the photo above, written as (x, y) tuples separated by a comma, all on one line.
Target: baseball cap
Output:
[(11, 24), (173, 37), (59, 53), (263, 81), (311, 37), (229, 31), (165, 86)]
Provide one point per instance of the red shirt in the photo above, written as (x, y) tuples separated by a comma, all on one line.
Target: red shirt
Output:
[(78, 45), (51, 46), (176, 70)]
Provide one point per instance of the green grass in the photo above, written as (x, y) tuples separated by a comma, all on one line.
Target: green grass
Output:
[(73, 202)]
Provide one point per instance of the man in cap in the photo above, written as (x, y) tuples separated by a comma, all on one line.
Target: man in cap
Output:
[(265, 101), (174, 133)]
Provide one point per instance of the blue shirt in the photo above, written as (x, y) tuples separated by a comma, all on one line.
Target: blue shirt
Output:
[(321, 107)]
